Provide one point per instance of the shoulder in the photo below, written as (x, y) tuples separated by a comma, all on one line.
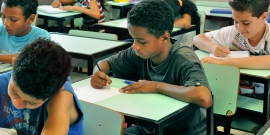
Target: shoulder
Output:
[(229, 31), (38, 32), (184, 54)]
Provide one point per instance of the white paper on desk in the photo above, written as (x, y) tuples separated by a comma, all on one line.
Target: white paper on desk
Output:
[(50, 9), (8, 131), (123, 24), (92, 95), (234, 54)]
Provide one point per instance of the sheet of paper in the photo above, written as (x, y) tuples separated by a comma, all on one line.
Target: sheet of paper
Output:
[(234, 54), (50, 9), (123, 24), (92, 95)]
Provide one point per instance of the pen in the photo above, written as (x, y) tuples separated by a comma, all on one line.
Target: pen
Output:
[(128, 81), (216, 41), (100, 70)]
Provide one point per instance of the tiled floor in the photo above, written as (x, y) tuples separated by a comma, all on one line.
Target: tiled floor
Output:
[(236, 132)]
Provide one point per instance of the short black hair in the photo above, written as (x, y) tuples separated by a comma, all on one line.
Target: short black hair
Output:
[(154, 15), (28, 7), (256, 7), (41, 68)]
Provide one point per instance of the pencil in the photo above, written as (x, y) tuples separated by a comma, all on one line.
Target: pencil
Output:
[(216, 41), (99, 68)]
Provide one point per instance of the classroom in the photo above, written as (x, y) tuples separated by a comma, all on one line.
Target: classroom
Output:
[(135, 67)]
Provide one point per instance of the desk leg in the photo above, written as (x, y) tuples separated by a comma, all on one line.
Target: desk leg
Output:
[(158, 130), (122, 13), (60, 25), (72, 23), (45, 22), (266, 101), (198, 30), (90, 65)]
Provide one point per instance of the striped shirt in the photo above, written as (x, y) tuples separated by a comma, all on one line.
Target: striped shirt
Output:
[(87, 20)]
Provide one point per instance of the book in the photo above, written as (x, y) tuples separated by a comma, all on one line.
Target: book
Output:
[(221, 11), (233, 54), (50, 9)]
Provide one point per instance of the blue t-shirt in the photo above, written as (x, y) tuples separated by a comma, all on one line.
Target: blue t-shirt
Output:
[(13, 44), (268, 19), (30, 121)]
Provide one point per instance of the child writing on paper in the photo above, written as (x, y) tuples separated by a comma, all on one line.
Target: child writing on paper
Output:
[(162, 67), (93, 10), (185, 14), (37, 96), (249, 33), (16, 30)]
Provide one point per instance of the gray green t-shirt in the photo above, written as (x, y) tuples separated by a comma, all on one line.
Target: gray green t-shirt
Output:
[(181, 67)]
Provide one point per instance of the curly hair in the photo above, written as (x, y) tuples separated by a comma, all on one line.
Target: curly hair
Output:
[(188, 7), (154, 15), (256, 7), (28, 7), (41, 68)]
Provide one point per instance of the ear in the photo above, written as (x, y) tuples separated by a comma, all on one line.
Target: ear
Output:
[(264, 16), (165, 37), (31, 19), (180, 2), (62, 88)]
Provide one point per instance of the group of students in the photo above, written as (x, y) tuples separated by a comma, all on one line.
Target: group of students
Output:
[(37, 96)]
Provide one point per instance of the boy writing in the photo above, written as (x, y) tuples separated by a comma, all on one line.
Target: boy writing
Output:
[(37, 97), (160, 66), (249, 33), (16, 30)]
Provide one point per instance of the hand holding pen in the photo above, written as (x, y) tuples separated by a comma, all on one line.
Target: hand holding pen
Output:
[(100, 79), (220, 50)]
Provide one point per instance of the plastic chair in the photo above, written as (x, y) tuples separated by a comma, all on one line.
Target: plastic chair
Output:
[(99, 120), (202, 20), (213, 4), (92, 34), (225, 90)]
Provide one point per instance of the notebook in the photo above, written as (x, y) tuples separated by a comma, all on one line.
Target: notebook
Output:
[(50, 9), (234, 54), (221, 11)]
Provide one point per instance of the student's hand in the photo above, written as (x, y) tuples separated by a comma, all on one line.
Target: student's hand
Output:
[(212, 60), (13, 60), (100, 79), (221, 51), (56, 4), (142, 86), (69, 8)]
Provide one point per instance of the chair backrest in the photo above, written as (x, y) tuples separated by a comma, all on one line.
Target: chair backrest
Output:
[(107, 11), (92, 34), (34, 23), (101, 121), (202, 20), (224, 83), (212, 4)]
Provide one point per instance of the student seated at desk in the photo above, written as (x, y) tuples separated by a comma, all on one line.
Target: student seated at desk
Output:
[(93, 10), (16, 30), (158, 66), (37, 96), (249, 33), (185, 14)]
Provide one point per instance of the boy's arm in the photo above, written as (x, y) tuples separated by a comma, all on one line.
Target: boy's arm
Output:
[(199, 95), (7, 58), (183, 22), (253, 62), (101, 78), (203, 43), (60, 114)]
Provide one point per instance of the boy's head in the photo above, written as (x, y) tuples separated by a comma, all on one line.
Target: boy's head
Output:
[(39, 72), (150, 23), (250, 16), (17, 16)]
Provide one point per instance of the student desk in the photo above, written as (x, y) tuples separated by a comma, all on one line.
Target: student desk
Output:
[(5, 67), (155, 111), (122, 31), (60, 18), (258, 108), (84, 48), (215, 16), (121, 6)]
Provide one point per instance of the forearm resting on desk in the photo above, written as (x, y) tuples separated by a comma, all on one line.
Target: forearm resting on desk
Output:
[(7, 58), (183, 22), (199, 95)]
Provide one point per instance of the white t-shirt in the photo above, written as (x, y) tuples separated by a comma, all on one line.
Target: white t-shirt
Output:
[(230, 37)]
